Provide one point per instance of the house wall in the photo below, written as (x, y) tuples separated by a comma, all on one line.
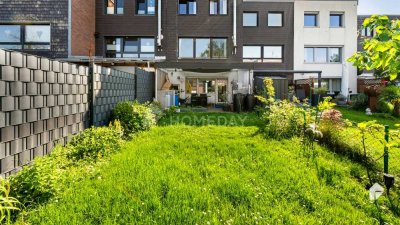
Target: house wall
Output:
[(54, 12), (83, 24), (325, 36)]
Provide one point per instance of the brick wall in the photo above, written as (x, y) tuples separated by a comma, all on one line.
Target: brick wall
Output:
[(43, 102), (54, 12), (83, 27)]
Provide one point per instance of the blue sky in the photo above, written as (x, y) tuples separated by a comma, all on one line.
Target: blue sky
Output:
[(388, 7)]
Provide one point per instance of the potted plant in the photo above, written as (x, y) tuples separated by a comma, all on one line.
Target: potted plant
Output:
[(341, 99)]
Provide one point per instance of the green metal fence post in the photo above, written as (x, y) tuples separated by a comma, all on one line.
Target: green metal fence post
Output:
[(386, 151)]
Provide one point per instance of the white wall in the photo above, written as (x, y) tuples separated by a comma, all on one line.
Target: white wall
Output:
[(324, 36)]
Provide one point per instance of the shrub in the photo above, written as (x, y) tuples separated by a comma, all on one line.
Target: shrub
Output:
[(391, 94), (284, 120), (8, 204), (360, 102), (95, 142), (385, 107), (157, 110), (134, 117)]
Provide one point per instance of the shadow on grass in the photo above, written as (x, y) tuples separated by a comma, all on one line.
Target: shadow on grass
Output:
[(212, 119)]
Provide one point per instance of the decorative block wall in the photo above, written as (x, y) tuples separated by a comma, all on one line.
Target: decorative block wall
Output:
[(42, 102)]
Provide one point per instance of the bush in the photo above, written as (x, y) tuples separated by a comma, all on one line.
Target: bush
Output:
[(360, 102), (134, 117), (284, 120), (157, 110), (385, 107), (95, 142), (391, 94)]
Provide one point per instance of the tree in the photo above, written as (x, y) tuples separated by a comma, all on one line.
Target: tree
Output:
[(382, 51)]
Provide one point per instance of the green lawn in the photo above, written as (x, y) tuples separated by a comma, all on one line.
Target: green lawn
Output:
[(230, 174), (360, 116)]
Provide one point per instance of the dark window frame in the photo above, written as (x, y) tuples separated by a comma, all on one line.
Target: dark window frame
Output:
[(328, 49), (250, 12), (218, 8), (115, 8), (211, 48), (22, 37), (146, 10), (122, 52), (341, 20), (316, 20), (262, 58), (282, 19), (187, 8)]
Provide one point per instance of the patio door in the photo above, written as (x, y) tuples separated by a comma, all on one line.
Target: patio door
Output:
[(222, 87)]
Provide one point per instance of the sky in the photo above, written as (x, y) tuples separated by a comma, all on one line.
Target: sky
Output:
[(387, 7)]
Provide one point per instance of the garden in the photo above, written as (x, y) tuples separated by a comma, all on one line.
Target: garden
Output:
[(286, 163)]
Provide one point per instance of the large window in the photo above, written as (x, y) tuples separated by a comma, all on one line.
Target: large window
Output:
[(250, 19), (267, 54), (114, 7), (145, 7), (275, 19), (25, 37), (203, 48), (130, 47), (218, 7), (187, 7), (311, 19), (322, 55), (336, 20)]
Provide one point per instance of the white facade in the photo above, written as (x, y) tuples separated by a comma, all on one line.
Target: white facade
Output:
[(322, 35)]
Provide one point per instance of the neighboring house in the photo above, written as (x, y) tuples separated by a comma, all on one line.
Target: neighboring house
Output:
[(50, 28), (214, 48)]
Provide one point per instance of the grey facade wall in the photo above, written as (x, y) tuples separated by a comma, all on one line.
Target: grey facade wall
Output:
[(43, 102), (53, 12)]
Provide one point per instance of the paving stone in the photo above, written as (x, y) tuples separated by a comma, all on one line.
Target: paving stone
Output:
[(66, 89), (24, 75), (31, 142), (7, 104), (66, 67), (31, 115), (60, 121), (56, 66), (31, 88), (70, 99), (7, 134), (55, 111), (70, 78), (16, 88), (38, 76), (61, 78), (50, 124), (7, 73), (24, 158), (2, 57), (16, 117), (24, 130), (17, 59), (24, 102)]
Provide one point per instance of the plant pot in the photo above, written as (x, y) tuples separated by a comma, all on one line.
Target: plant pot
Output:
[(317, 98)]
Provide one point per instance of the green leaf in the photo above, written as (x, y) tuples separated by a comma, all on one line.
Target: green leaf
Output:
[(393, 76)]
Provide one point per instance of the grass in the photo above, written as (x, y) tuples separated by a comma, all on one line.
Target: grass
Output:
[(360, 116), (180, 174)]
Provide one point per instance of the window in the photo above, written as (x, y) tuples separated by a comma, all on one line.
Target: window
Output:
[(145, 7), (187, 7), (203, 48), (130, 47), (218, 7), (267, 54), (367, 32), (114, 7), (336, 20), (25, 37), (275, 19), (310, 19), (250, 19), (252, 53), (273, 54), (322, 55)]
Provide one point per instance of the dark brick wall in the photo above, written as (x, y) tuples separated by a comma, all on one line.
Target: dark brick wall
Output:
[(42, 103), (54, 12)]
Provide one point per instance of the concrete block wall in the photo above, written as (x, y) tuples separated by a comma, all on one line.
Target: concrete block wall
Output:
[(42, 103), (110, 86)]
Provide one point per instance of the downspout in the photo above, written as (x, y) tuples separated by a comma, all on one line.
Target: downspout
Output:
[(234, 40), (159, 36)]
